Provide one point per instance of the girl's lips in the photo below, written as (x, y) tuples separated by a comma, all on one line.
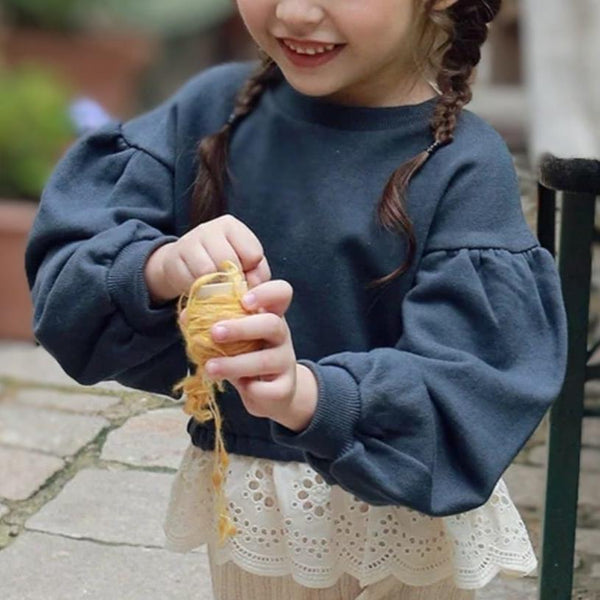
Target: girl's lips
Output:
[(310, 60)]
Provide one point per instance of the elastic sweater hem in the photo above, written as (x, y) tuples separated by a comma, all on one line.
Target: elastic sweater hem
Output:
[(203, 436)]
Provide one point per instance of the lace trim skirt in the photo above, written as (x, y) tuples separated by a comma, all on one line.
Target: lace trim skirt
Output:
[(230, 582), (290, 522)]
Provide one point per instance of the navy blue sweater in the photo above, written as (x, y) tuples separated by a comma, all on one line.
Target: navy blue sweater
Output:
[(428, 387)]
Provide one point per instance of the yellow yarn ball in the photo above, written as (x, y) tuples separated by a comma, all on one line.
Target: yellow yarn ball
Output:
[(203, 309)]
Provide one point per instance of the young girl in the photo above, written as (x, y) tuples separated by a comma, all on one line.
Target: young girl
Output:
[(426, 335)]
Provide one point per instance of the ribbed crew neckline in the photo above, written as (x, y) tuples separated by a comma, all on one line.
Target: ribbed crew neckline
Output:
[(341, 116)]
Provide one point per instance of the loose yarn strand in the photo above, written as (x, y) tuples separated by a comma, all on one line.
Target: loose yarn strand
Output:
[(204, 308)]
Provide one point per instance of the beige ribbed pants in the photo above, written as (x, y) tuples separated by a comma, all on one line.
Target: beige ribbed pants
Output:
[(230, 582)]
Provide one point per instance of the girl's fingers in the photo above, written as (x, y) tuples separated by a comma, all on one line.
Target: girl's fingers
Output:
[(198, 261), (224, 239), (178, 274), (271, 296), (252, 364), (260, 274), (220, 250), (244, 242), (263, 326), (183, 317)]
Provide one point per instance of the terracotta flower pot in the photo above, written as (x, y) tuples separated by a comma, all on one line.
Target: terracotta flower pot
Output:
[(16, 218), (106, 67)]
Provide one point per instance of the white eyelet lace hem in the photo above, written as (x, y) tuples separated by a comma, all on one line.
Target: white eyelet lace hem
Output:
[(290, 522)]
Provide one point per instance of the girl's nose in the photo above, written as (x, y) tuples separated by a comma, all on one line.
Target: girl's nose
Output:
[(299, 16)]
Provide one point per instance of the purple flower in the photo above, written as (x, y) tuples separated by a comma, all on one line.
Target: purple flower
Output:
[(87, 115)]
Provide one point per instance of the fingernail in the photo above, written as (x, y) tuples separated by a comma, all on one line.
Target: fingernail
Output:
[(249, 300), (219, 332), (211, 367)]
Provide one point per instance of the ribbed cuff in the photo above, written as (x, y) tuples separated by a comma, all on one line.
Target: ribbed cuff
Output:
[(127, 286), (331, 431)]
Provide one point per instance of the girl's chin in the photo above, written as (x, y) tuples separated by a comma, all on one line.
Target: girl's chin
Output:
[(310, 86)]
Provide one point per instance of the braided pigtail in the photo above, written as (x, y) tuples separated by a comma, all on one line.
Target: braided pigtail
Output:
[(453, 53), (470, 20), (208, 197)]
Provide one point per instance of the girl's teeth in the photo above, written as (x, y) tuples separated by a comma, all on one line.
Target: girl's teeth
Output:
[(310, 51)]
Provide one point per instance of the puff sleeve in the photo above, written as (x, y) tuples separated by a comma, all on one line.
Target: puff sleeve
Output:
[(432, 422), (117, 195), (108, 205)]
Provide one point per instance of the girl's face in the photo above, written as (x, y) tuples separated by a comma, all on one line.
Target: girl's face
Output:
[(349, 51)]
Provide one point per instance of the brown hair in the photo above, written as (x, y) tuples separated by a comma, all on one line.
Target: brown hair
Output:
[(450, 48)]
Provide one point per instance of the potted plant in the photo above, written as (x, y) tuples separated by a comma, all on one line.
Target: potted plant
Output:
[(194, 34), (171, 18), (49, 14), (35, 128), (78, 42)]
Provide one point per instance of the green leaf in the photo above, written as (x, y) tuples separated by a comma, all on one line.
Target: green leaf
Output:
[(35, 129), (170, 16)]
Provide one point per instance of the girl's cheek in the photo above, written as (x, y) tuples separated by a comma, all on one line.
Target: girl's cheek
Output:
[(255, 17)]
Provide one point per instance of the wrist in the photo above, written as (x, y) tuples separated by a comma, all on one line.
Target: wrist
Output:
[(304, 403), (154, 275)]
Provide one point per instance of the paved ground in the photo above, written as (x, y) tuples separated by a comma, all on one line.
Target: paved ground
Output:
[(84, 478)]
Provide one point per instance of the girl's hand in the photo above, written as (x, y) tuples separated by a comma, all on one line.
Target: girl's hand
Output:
[(269, 381), (172, 268)]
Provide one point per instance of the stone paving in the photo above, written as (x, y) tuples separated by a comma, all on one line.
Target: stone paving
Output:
[(84, 479)]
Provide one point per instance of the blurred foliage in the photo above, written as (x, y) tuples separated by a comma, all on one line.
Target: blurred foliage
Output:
[(169, 17), (35, 129), (43, 14), (164, 17)]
